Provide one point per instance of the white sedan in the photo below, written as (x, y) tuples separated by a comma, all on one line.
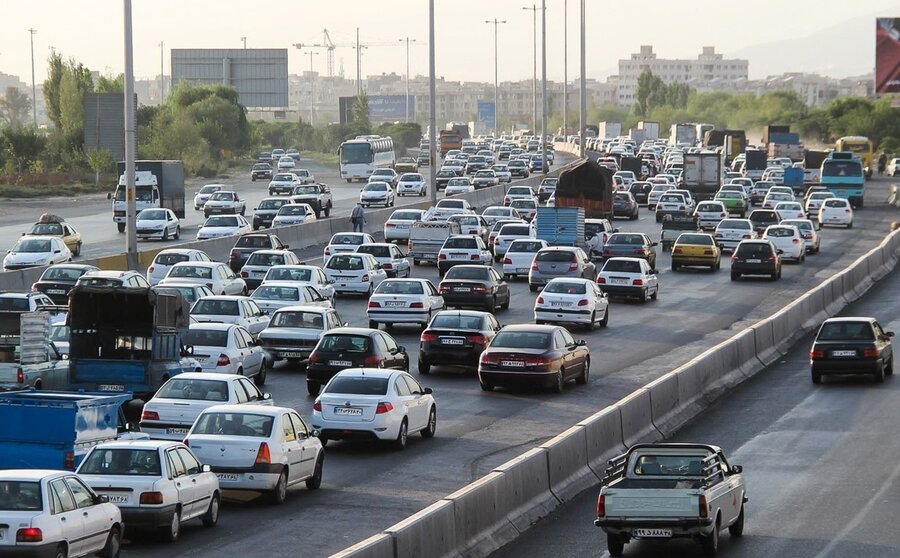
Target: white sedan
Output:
[(157, 484), (526, 208), (354, 273), (518, 193), (573, 301), (392, 260), (788, 239), (293, 214), (808, 231), (502, 173), (217, 276), (459, 185), (172, 410), (228, 349), (302, 274), (234, 440), (495, 213), (710, 213), (836, 211), (237, 310), (404, 301), (411, 184), (279, 294), (295, 330), (157, 223), (49, 512), (204, 193), (224, 203), (629, 277), (519, 256), (35, 251), (286, 163), (377, 193), (223, 225), (383, 405), (343, 243), (169, 257), (789, 210), (447, 207), (396, 228)]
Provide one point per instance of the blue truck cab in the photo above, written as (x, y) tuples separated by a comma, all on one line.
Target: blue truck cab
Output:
[(843, 173), (125, 339)]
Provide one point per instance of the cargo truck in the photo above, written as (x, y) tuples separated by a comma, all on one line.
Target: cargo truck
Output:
[(793, 178), (651, 129), (703, 174), (716, 138), (768, 131), (683, 134), (785, 144), (812, 163), (587, 185), (561, 226), (755, 162), (157, 184), (609, 129), (125, 339), (27, 356)]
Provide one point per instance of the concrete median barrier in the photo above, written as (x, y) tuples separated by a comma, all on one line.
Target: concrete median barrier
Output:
[(567, 459), (480, 512), (430, 532), (376, 546), (526, 482), (856, 279), (664, 403), (875, 263), (637, 423), (744, 354), (833, 294), (764, 333), (603, 433)]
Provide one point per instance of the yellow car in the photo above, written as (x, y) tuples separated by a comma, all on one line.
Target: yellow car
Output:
[(51, 225), (696, 249)]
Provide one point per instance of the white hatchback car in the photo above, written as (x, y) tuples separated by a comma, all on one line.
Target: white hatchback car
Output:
[(526, 208), (572, 300), (396, 228), (53, 510), (507, 234), (730, 232), (462, 249), (519, 255), (377, 193), (459, 185), (392, 260), (156, 484), (302, 274), (228, 349), (788, 239), (354, 273), (404, 301), (374, 404), (789, 210), (169, 257), (172, 410), (35, 251), (836, 211), (223, 225), (157, 223), (238, 310), (259, 448), (346, 242), (204, 193), (217, 276), (495, 213), (814, 201), (411, 184), (709, 214), (808, 231), (293, 214), (628, 277), (279, 294)]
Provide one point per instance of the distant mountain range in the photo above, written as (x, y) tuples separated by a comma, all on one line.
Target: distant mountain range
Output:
[(840, 51)]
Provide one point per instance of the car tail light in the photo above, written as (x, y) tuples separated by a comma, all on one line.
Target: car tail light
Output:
[(151, 498), (707, 252), (34, 288), (317, 406), (387, 266), (534, 266), (365, 278), (245, 274), (816, 355), (389, 225), (638, 282), (444, 290), (507, 261), (796, 240), (583, 302), (69, 460), (223, 360), (149, 415), (209, 286), (475, 257), (373, 304), (746, 236), (327, 251), (870, 353), (186, 442), (442, 256), (29, 534), (20, 376), (537, 361), (489, 359), (540, 300), (409, 244), (383, 407), (676, 251), (770, 259), (723, 215), (479, 290), (233, 255), (428, 337), (262, 454), (478, 339), (496, 241), (601, 280), (150, 269), (704, 509), (417, 305), (372, 360), (573, 266), (313, 357), (846, 211), (601, 506)]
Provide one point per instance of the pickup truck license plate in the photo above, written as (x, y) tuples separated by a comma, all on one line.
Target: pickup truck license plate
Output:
[(652, 533), (348, 411), (111, 387), (290, 355), (227, 476), (843, 353), (451, 341), (345, 363), (512, 363), (174, 431), (117, 498)]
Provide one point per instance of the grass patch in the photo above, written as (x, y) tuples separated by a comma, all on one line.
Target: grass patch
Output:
[(19, 191), (322, 158)]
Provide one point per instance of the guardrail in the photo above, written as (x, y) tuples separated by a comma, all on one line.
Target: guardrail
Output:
[(488, 513)]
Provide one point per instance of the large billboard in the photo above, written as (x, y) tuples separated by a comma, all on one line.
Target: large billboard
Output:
[(389, 108), (259, 75), (887, 55), (487, 114)]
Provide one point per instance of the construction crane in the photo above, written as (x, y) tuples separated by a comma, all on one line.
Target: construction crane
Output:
[(330, 45)]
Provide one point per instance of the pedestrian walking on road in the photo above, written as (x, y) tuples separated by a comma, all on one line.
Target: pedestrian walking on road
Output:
[(358, 217)]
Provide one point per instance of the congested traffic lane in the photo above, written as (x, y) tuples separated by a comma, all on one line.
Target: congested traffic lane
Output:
[(821, 464), (478, 431)]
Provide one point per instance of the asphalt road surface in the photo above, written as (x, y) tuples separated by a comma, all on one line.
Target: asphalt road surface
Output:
[(821, 464), (368, 488)]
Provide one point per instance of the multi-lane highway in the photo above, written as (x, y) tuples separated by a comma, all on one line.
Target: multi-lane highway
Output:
[(367, 489), (821, 464)]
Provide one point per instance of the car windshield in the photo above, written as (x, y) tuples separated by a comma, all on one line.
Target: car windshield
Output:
[(191, 272), (221, 221), (271, 204), (195, 389), (152, 215), (47, 229), (358, 385), (216, 307), (213, 189), (622, 266), (346, 343), (376, 187), (288, 274), (292, 210), (271, 292), (411, 177), (461, 242), (170, 258), (188, 293), (298, 319), (206, 337), (20, 495), (515, 230), (565, 287), (122, 461), (400, 288), (669, 465), (375, 250), (222, 196), (471, 273), (521, 340), (347, 239), (845, 331), (261, 166), (62, 274), (458, 182), (234, 424), (345, 263), (32, 246), (305, 190)]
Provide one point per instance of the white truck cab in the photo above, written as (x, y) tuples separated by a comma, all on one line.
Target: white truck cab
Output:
[(146, 195)]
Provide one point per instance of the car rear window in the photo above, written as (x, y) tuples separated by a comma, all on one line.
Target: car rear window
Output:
[(345, 263), (216, 307), (234, 424), (701, 239), (472, 273), (253, 242), (734, 224), (170, 259), (271, 292), (753, 249), (406, 215), (526, 246), (456, 321), (122, 461), (632, 239), (358, 385), (521, 340), (194, 389), (835, 203), (377, 251), (461, 242), (845, 331), (515, 230), (206, 338), (622, 266), (308, 320), (565, 287), (20, 496), (287, 274), (669, 465), (346, 343), (400, 288), (555, 256), (265, 260), (779, 232)]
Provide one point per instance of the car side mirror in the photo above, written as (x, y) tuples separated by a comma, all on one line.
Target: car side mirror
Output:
[(314, 433), (345, 324), (580, 343), (615, 230), (206, 468), (427, 391), (654, 271), (736, 469), (779, 252), (109, 195), (101, 499), (129, 427), (401, 349), (889, 333), (267, 397)]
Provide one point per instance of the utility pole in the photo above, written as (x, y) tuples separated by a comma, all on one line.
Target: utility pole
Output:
[(358, 62), (543, 142), (244, 40), (130, 145), (496, 22), (162, 76), (582, 112), (534, 10), (432, 117), (312, 86), (565, 68), (33, 84), (407, 40)]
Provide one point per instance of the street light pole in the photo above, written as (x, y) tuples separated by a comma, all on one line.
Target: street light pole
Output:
[(33, 84), (130, 145), (407, 40), (312, 86), (496, 22), (244, 40), (358, 62), (432, 116), (582, 112), (565, 68), (534, 10), (162, 76), (543, 142)]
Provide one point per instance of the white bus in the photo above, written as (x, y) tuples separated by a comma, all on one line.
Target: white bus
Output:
[(361, 156)]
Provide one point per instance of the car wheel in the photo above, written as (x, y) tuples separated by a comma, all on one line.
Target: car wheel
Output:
[(816, 378), (850, 225), (735, 276), (590, 325), (260, 379), (211, 517), (736, 529), (492, 305), (878, 376), (177, 233), (373, 324), (557, 386), (505, 305), (172, 532), (113, 544), (315, 481), (428, 431), (585, 375), (710, 543), (486, 387), (643, 296), (533, 288), (424, 367), (328, 210), (279, 494), (675, 266), (717, 266), (402, 436), (120, 227), (165, 235), (78, 249), (615, 544), (313, 388)]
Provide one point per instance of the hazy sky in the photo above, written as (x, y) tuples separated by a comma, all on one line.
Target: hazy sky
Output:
[(91, 31)]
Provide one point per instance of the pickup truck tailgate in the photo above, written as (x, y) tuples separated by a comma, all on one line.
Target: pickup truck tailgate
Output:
[(635, 503)]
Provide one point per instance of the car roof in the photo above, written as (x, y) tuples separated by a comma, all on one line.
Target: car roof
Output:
[(186, 251), (531, 327), (271, 283), (304, 308), (141, 444), (851, 319), (249, 409), (200, 264), (217, 326), (206, 376), (350, 331), (109, 273), (626, 259), (30, 474), (369, 372)]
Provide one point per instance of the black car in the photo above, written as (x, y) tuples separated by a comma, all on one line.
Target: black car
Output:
[(762, 218), (852, 346), (517, 168), (350, 347), (756, 257), (640, 191), (456, 337), (443, 177), (542, 356), (266, 211), (624, 205), (261, 170), (631, 245), (474, 286), (250, 243), (57, 280)]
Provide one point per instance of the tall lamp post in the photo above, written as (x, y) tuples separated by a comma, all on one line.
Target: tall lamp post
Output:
[(33, 84), (582, 118), (496, 22), (432, 116), (162, 76), (407, 40), (312, 86), (565, 68), (130, 145), (534, 10), (543, 142)]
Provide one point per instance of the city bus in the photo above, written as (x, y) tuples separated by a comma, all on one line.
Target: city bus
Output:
[(362, 155), (862, 147), (842, 173)]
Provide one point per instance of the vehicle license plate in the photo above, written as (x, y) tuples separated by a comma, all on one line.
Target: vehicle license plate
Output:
[(652, 533), (521, 270), (843, 353), (512, 363), (345, 363), (290, 355), (111, 387), (754, 261), (176, 430), (457, 255), (396, 304), (259, 273), (561, 303), (2, 534), (55, 291), (619, 281), (227, 476), (402, 226), (451, 341), (117, 498), (463, 289), (348, 411)]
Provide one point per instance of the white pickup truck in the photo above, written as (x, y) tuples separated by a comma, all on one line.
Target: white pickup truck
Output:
[(663, 491)]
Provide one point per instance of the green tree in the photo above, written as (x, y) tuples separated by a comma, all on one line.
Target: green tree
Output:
[(100, 160), (360, 113), (71, 107), (80, 82), (107, 85), (21, 147), (15, 107)]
